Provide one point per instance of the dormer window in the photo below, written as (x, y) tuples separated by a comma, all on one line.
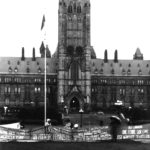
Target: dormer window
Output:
[(39, 70), (10, 69), (140, 72), (18, 63), (147, 65), (129, 71), (28, 70), (96, 71), (16, 70), (101, 71), (112, 71), (123, 71), (129, 65)]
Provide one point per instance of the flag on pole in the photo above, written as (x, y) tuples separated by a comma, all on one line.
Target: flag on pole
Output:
[(43, 22)]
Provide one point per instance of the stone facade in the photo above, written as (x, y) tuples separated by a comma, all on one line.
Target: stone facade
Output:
[(75, 77)]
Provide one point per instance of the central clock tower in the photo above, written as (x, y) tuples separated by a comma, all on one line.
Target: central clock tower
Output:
[(74, 54)]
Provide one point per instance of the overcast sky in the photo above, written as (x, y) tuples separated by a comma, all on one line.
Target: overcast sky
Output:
[(115, 24)]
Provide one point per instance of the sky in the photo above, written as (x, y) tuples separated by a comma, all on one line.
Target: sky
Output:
[(115, 24)]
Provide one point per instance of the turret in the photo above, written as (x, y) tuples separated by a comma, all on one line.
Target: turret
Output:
[(22, 57), (105, 56), (33, 55), (138, 55), (116, 56)]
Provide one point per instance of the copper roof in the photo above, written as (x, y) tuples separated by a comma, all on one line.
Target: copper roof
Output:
[(122, 68), (28, 66)]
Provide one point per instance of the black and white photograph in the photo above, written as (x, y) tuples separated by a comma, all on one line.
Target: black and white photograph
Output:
[(75, 74)]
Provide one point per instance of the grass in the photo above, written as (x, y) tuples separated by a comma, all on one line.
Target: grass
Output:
[(105, 145)]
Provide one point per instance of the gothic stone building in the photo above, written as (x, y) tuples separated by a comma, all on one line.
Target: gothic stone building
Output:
[(75, 77)]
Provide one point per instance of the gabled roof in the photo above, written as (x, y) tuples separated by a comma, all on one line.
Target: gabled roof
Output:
[(138, 55), (15, 65), (138, 52), (122, 68)]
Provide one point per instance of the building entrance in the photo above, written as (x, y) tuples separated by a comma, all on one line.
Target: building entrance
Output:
[(74, 105)]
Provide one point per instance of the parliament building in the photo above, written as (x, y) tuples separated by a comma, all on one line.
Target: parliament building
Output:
[(75, 77)]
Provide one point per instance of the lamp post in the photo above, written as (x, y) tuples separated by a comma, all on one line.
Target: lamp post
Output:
[(81, 112)]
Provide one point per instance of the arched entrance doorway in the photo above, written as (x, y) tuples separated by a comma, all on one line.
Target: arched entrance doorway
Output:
[(74, 105)]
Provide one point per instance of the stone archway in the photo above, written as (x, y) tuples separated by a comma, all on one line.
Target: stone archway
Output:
[(74, 105), (74, 101)]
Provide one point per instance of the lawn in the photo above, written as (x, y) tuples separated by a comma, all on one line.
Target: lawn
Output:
[(122, 145)]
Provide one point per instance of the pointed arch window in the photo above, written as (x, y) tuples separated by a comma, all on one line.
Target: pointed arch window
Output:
[(112, 71), (79, 9), (28, 70), (69, 9), (129, 65), (74, 70), (48, 90), (96, 71), (147, 65), (129, 72), (123, 72), (18, 63), (16, 70), (101, 71), (122, 91), (85, 5), (75, 7), (39, 70), (10, 69), (140, 72)]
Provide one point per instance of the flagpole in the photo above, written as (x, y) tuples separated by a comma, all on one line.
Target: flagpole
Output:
[(45, 79), (45, 106)]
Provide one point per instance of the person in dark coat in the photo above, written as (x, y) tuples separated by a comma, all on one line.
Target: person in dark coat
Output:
[(114, 128)]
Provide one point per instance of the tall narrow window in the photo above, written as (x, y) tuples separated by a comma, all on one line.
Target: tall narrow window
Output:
[(74, 71), (79, 9), (69, 9)]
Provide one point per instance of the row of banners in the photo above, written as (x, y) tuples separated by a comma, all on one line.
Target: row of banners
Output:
[(85, 134)]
